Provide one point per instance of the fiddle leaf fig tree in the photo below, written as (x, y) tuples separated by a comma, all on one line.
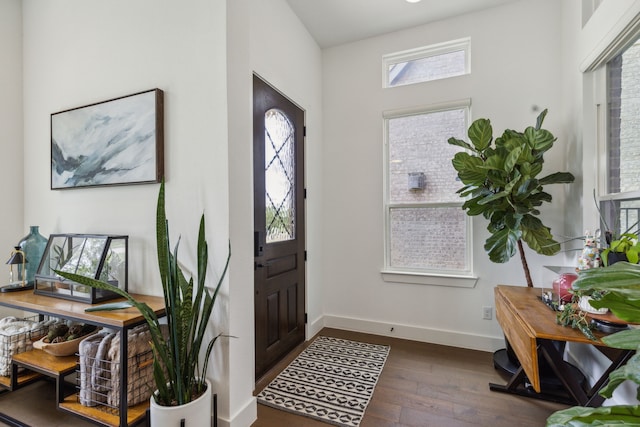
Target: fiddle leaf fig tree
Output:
[(501, 183)]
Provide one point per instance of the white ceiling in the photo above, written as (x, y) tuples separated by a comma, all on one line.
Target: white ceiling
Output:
[(335, 22)]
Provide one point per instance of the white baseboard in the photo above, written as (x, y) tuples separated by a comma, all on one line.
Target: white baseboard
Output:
[(415, 333), (314, 327), (246, 416)]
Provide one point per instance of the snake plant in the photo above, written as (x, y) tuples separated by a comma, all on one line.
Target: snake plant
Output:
[(178, 374)]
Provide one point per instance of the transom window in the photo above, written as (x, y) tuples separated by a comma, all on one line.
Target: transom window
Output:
[(427, 63)]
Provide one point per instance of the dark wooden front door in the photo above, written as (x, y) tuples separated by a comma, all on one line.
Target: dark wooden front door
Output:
[(278, 156)]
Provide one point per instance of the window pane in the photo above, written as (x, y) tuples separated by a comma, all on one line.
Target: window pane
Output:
[(621, 216), (449, 64), (428, 238), (418, 145), (279, 177), (624, 121)]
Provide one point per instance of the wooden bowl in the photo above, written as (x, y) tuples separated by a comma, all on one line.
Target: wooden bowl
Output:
[(66, 348)]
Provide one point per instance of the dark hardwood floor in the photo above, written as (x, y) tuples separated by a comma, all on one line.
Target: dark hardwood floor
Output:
[(427, 385), (421, 385)]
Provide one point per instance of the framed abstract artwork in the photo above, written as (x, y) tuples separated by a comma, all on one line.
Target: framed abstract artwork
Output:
[(114, 142)]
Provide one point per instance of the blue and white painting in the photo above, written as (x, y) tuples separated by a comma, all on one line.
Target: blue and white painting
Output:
[(113, 142)]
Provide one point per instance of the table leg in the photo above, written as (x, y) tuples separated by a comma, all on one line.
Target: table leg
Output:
[(595, 399), (517, 382), (554, 357)]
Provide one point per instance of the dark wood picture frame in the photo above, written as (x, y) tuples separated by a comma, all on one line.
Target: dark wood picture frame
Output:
[(115, 142)]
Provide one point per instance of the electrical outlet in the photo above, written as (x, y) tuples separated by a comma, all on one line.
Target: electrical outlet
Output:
[(487, 312)]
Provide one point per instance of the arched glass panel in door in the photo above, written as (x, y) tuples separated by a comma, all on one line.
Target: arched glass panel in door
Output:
[(279, 177)]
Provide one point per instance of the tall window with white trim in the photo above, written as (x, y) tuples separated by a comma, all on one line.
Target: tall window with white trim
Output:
[(621, 198), (426, 229)]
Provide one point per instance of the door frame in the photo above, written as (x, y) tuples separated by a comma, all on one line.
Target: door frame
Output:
[(300, 195)]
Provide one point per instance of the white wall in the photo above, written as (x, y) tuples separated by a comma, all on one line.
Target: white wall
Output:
[(12, 227), (266, 38), (82, 51), (11, 221), (514, 66)]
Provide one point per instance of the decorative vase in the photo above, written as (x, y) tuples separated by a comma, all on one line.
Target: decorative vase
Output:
[(33, 245), (196, 413), (562, 285)]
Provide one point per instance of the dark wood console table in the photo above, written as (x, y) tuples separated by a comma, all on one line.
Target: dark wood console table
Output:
[(531, 328), (120, 320)]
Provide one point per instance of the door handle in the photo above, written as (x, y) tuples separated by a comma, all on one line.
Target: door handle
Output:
[(258, 265)]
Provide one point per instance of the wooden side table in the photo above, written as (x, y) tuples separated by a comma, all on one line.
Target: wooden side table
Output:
[(531, 328)]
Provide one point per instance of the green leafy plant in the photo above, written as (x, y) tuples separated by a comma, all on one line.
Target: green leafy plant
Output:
[(627, 243), (572, 316), (501, 183), (178, 374), (618, 288)]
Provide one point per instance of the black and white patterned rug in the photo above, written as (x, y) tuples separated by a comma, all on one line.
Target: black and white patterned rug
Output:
[(332, 380)]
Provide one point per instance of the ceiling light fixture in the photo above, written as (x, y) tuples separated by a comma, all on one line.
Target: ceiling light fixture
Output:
[(412, 1)]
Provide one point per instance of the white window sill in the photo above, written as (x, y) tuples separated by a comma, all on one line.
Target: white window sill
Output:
[(450, 280)]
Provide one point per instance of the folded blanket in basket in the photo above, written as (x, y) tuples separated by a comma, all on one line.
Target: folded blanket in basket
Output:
[(16, 336), (88, 349), (140, 382), (100, 368)]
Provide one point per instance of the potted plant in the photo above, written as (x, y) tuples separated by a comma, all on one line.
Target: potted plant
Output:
[(617, 288), (624, 247), (179, 376), (501, 183)]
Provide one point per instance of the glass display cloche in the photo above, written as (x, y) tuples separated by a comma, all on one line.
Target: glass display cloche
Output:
[(102, 257)]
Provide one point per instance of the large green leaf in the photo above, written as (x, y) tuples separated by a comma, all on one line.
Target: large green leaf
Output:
[(493, 197), (512, 220), (502, 245), (579, 416), (557, 178), (539, 139), (473, 191), (536, 168), (621, 277), (480, 133), (536, 198), (630, 371), (527, 187), (473, 207), (538, 237), (540, 118), (512, 159), (469, 168), (627, 340), (495, 162), (460, 143), (620, 304)]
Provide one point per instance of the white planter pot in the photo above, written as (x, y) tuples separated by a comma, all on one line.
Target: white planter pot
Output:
[(196, 413)]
